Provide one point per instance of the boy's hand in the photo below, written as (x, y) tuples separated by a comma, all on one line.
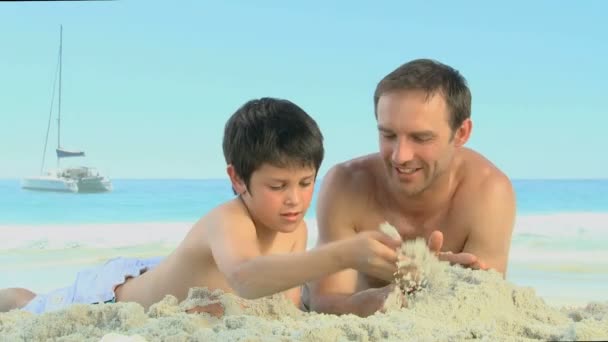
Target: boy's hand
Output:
[(374, 253), (465, 259)]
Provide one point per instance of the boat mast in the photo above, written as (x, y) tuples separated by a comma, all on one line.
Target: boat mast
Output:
[(59, 108)]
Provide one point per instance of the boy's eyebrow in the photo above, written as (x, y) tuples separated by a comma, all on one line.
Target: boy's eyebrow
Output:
[(285, 180)]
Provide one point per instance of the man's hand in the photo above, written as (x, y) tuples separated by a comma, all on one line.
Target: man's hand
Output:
[(465, 259), (369, 301), (214, 309)]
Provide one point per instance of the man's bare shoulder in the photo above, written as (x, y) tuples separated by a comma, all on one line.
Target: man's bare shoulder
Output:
[(486, 206), (481, 180), (356, 175), (347, 196)]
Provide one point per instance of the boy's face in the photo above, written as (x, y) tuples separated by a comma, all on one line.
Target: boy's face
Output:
[(279, 197)]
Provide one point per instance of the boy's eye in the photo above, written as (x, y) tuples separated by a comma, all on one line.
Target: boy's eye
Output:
[(276, 187), (305, 184)]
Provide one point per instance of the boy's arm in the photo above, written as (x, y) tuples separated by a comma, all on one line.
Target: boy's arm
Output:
[(295, 294), (252, 275)]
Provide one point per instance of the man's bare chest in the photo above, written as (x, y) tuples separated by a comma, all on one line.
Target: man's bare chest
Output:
[(454, 230)]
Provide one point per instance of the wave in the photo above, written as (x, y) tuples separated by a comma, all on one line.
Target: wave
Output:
[(82, 236), (560, 232)]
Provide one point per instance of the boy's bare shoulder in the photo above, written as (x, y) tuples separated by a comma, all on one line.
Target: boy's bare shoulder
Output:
[(227, 214)]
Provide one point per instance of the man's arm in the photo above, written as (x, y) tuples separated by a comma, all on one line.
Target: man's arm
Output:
[(492, 223), (334, 293)]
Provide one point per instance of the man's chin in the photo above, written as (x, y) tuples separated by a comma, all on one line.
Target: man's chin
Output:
[(410, 189)]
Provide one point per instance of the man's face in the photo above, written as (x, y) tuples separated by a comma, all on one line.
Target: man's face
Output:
[(279, 197), (415, 138)]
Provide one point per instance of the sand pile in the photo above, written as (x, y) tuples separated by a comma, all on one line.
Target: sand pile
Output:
[(453, 304)]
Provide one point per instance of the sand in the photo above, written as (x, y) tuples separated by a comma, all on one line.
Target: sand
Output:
[(453, 304)]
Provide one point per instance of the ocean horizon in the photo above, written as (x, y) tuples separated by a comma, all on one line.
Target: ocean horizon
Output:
[(170, 200)]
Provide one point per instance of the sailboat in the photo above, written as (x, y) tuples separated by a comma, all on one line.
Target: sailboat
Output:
[(69, 179)]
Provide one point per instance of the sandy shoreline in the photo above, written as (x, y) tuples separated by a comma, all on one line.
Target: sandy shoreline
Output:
[(463, 304), (457, 304), (28, 253), (480, 306)]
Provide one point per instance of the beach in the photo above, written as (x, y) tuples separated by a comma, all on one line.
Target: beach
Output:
[(457, 304)]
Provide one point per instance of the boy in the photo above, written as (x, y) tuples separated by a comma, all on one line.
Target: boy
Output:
[(252, 246)]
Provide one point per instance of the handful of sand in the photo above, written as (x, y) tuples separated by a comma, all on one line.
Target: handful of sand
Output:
[(417, 267)]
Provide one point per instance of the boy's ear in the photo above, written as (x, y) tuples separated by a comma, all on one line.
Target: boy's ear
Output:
[(237, 183)]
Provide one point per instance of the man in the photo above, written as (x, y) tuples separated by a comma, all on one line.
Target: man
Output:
[(423, 182)]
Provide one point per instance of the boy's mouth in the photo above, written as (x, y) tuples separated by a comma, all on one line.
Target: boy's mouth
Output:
[(291, 216)]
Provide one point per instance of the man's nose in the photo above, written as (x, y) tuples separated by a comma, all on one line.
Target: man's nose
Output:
[(402, 151)]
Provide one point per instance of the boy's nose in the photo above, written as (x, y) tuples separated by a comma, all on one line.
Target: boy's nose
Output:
[(292, 197)]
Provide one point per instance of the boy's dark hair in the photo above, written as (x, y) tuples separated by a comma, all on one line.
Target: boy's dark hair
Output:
[(273, 131), (431, 77)]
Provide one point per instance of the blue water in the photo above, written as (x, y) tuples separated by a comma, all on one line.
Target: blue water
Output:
[(130, 201), (187, 200), (552, 196)]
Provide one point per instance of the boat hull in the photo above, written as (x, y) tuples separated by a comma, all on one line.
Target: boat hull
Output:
[(82, 180), (94, 184), (49, 184)]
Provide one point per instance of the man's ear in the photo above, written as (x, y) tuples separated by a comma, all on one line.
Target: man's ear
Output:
[(237, 183), (462, 134)]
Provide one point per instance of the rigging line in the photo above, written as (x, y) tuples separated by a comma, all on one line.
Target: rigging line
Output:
[(46, 140)]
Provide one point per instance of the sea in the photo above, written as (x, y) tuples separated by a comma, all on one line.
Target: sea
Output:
[(559, 245)]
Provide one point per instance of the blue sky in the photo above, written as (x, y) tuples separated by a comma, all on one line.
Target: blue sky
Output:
[(148, 85)]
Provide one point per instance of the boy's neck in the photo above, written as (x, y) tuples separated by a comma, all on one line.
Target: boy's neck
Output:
[(265, 235)]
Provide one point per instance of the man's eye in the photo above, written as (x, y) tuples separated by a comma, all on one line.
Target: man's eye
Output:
[(422, 139)]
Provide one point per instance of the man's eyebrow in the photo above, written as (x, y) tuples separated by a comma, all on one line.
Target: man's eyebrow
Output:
[(384, 129), (424, 133)]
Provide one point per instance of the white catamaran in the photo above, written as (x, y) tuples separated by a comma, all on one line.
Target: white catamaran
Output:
[(69, 179)]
